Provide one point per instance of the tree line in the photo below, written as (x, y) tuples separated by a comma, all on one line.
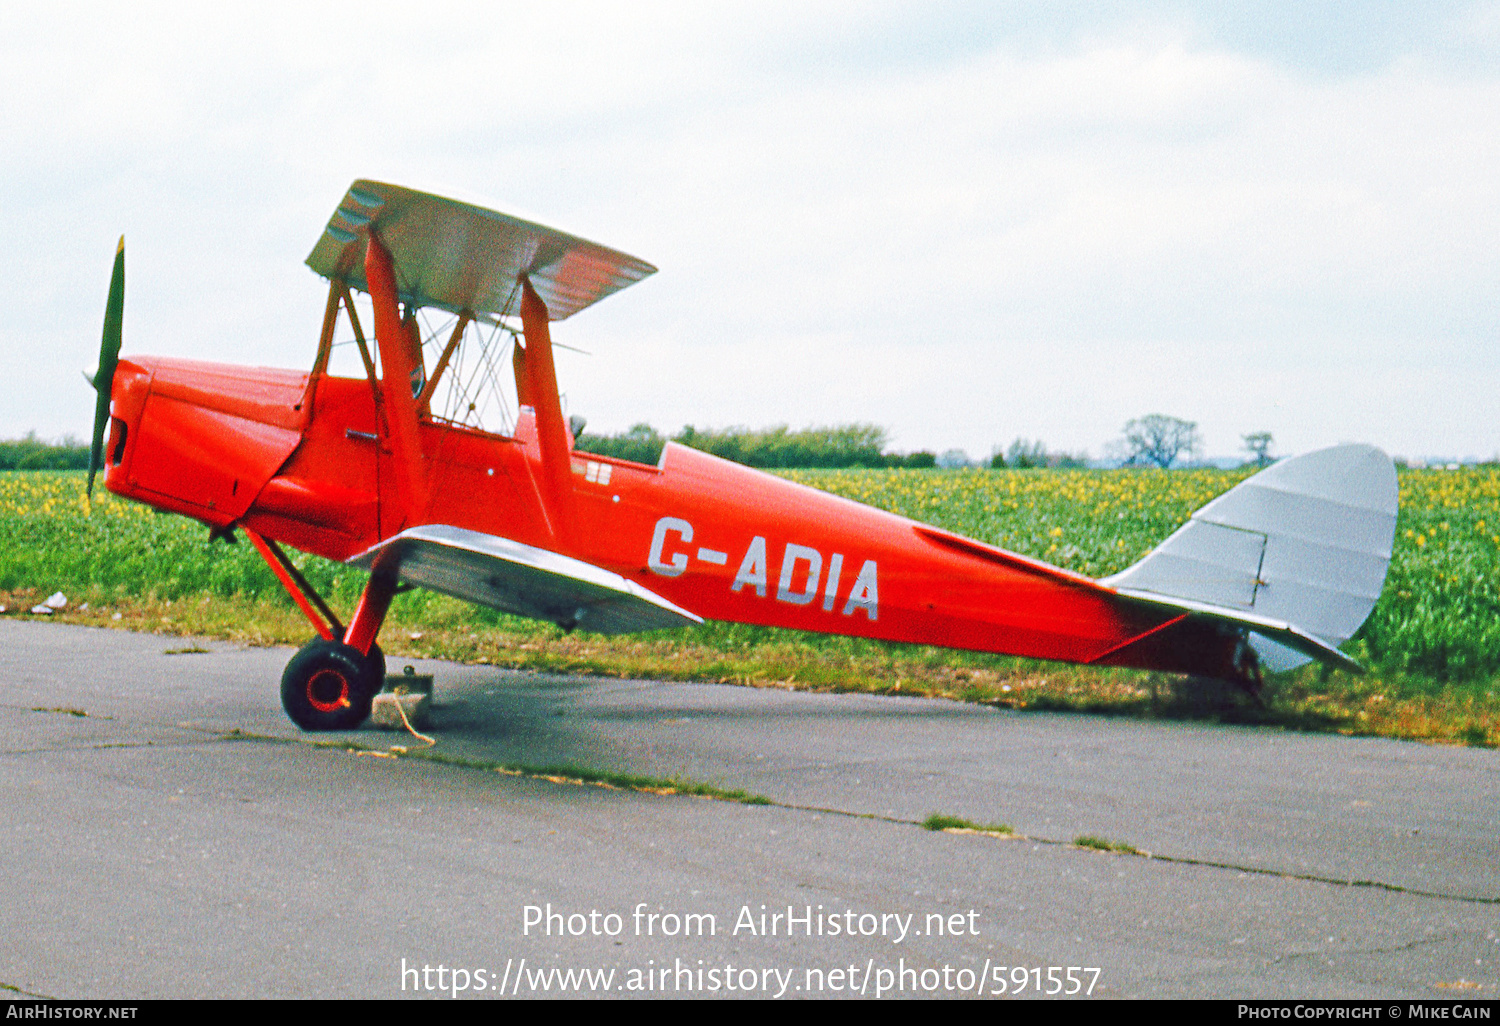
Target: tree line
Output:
[(31, 453), (848, 445), (1154, 440)]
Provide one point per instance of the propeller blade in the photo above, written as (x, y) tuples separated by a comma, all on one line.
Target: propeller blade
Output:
[(109, 356)]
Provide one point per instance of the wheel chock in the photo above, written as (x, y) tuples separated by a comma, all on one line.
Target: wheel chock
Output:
[(409, 692)]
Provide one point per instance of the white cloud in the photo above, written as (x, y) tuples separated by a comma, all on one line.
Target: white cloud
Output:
[(1011, 240)]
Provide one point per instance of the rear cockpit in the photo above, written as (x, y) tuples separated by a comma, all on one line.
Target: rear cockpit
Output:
[(464, 368)]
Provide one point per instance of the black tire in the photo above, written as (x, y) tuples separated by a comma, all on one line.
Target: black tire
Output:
[(375, 667), (327, 686), (374, 664)]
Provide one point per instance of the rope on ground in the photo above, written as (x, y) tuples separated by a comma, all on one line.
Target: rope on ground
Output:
[(400, 708)]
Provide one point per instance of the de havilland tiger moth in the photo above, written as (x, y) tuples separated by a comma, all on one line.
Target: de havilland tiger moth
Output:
[(396, 470)]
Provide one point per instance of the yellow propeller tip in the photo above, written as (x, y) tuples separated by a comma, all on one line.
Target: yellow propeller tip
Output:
[(121, 247)]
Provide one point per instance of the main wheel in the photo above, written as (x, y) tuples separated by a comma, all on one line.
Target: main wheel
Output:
[(375, 666), (328, 686)]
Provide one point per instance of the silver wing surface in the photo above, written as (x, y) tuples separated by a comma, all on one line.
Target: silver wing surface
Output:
[(515, 578), (458, 256)]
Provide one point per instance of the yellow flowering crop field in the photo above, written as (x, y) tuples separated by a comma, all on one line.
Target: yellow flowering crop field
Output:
[(52, 538), (1438, 620), (1439, 615)]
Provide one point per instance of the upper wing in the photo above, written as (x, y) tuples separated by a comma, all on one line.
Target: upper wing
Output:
[(520, 579), (457, 256)]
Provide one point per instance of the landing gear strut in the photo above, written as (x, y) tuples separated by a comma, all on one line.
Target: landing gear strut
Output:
[(332, 681)]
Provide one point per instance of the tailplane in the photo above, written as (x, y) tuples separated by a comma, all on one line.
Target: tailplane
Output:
[(1296, 555)]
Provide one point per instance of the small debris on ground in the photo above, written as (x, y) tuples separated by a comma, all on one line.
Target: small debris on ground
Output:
[(57, 600)]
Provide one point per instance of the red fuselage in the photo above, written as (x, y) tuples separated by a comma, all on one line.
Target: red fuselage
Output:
[(307, 459)]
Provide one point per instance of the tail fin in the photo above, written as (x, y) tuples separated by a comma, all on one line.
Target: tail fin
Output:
[(1298, 553)]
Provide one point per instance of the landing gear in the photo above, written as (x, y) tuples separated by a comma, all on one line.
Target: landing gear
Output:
[(330, 686), (375, 665), (332, 681), (1247, 671)]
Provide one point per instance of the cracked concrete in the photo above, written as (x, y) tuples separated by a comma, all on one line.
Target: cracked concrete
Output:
[(151, 852)]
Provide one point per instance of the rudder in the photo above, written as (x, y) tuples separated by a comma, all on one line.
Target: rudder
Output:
[(1306, 542)]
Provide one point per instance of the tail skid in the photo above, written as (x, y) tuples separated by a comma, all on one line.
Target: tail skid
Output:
[(1296, 556)]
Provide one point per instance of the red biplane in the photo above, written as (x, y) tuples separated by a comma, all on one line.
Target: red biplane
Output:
[(402, 469)]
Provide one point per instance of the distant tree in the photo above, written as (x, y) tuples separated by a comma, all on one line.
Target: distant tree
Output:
[(1258, 445), (1159, 441), (642, 444), (953, 458), (1024, 454), (844, 445), (848, 445), (31, 453)]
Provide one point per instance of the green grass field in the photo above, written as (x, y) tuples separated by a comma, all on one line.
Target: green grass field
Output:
[(1433, 642)]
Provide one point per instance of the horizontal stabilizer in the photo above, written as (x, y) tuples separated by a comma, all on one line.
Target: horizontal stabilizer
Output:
[(516, 578), (457, 256), (1302, 547), (1303, 645)]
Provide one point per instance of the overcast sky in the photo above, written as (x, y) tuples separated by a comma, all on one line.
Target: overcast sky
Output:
[(965, 223)]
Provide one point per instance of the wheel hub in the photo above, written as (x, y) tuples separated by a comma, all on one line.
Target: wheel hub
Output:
[(328, 691)]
